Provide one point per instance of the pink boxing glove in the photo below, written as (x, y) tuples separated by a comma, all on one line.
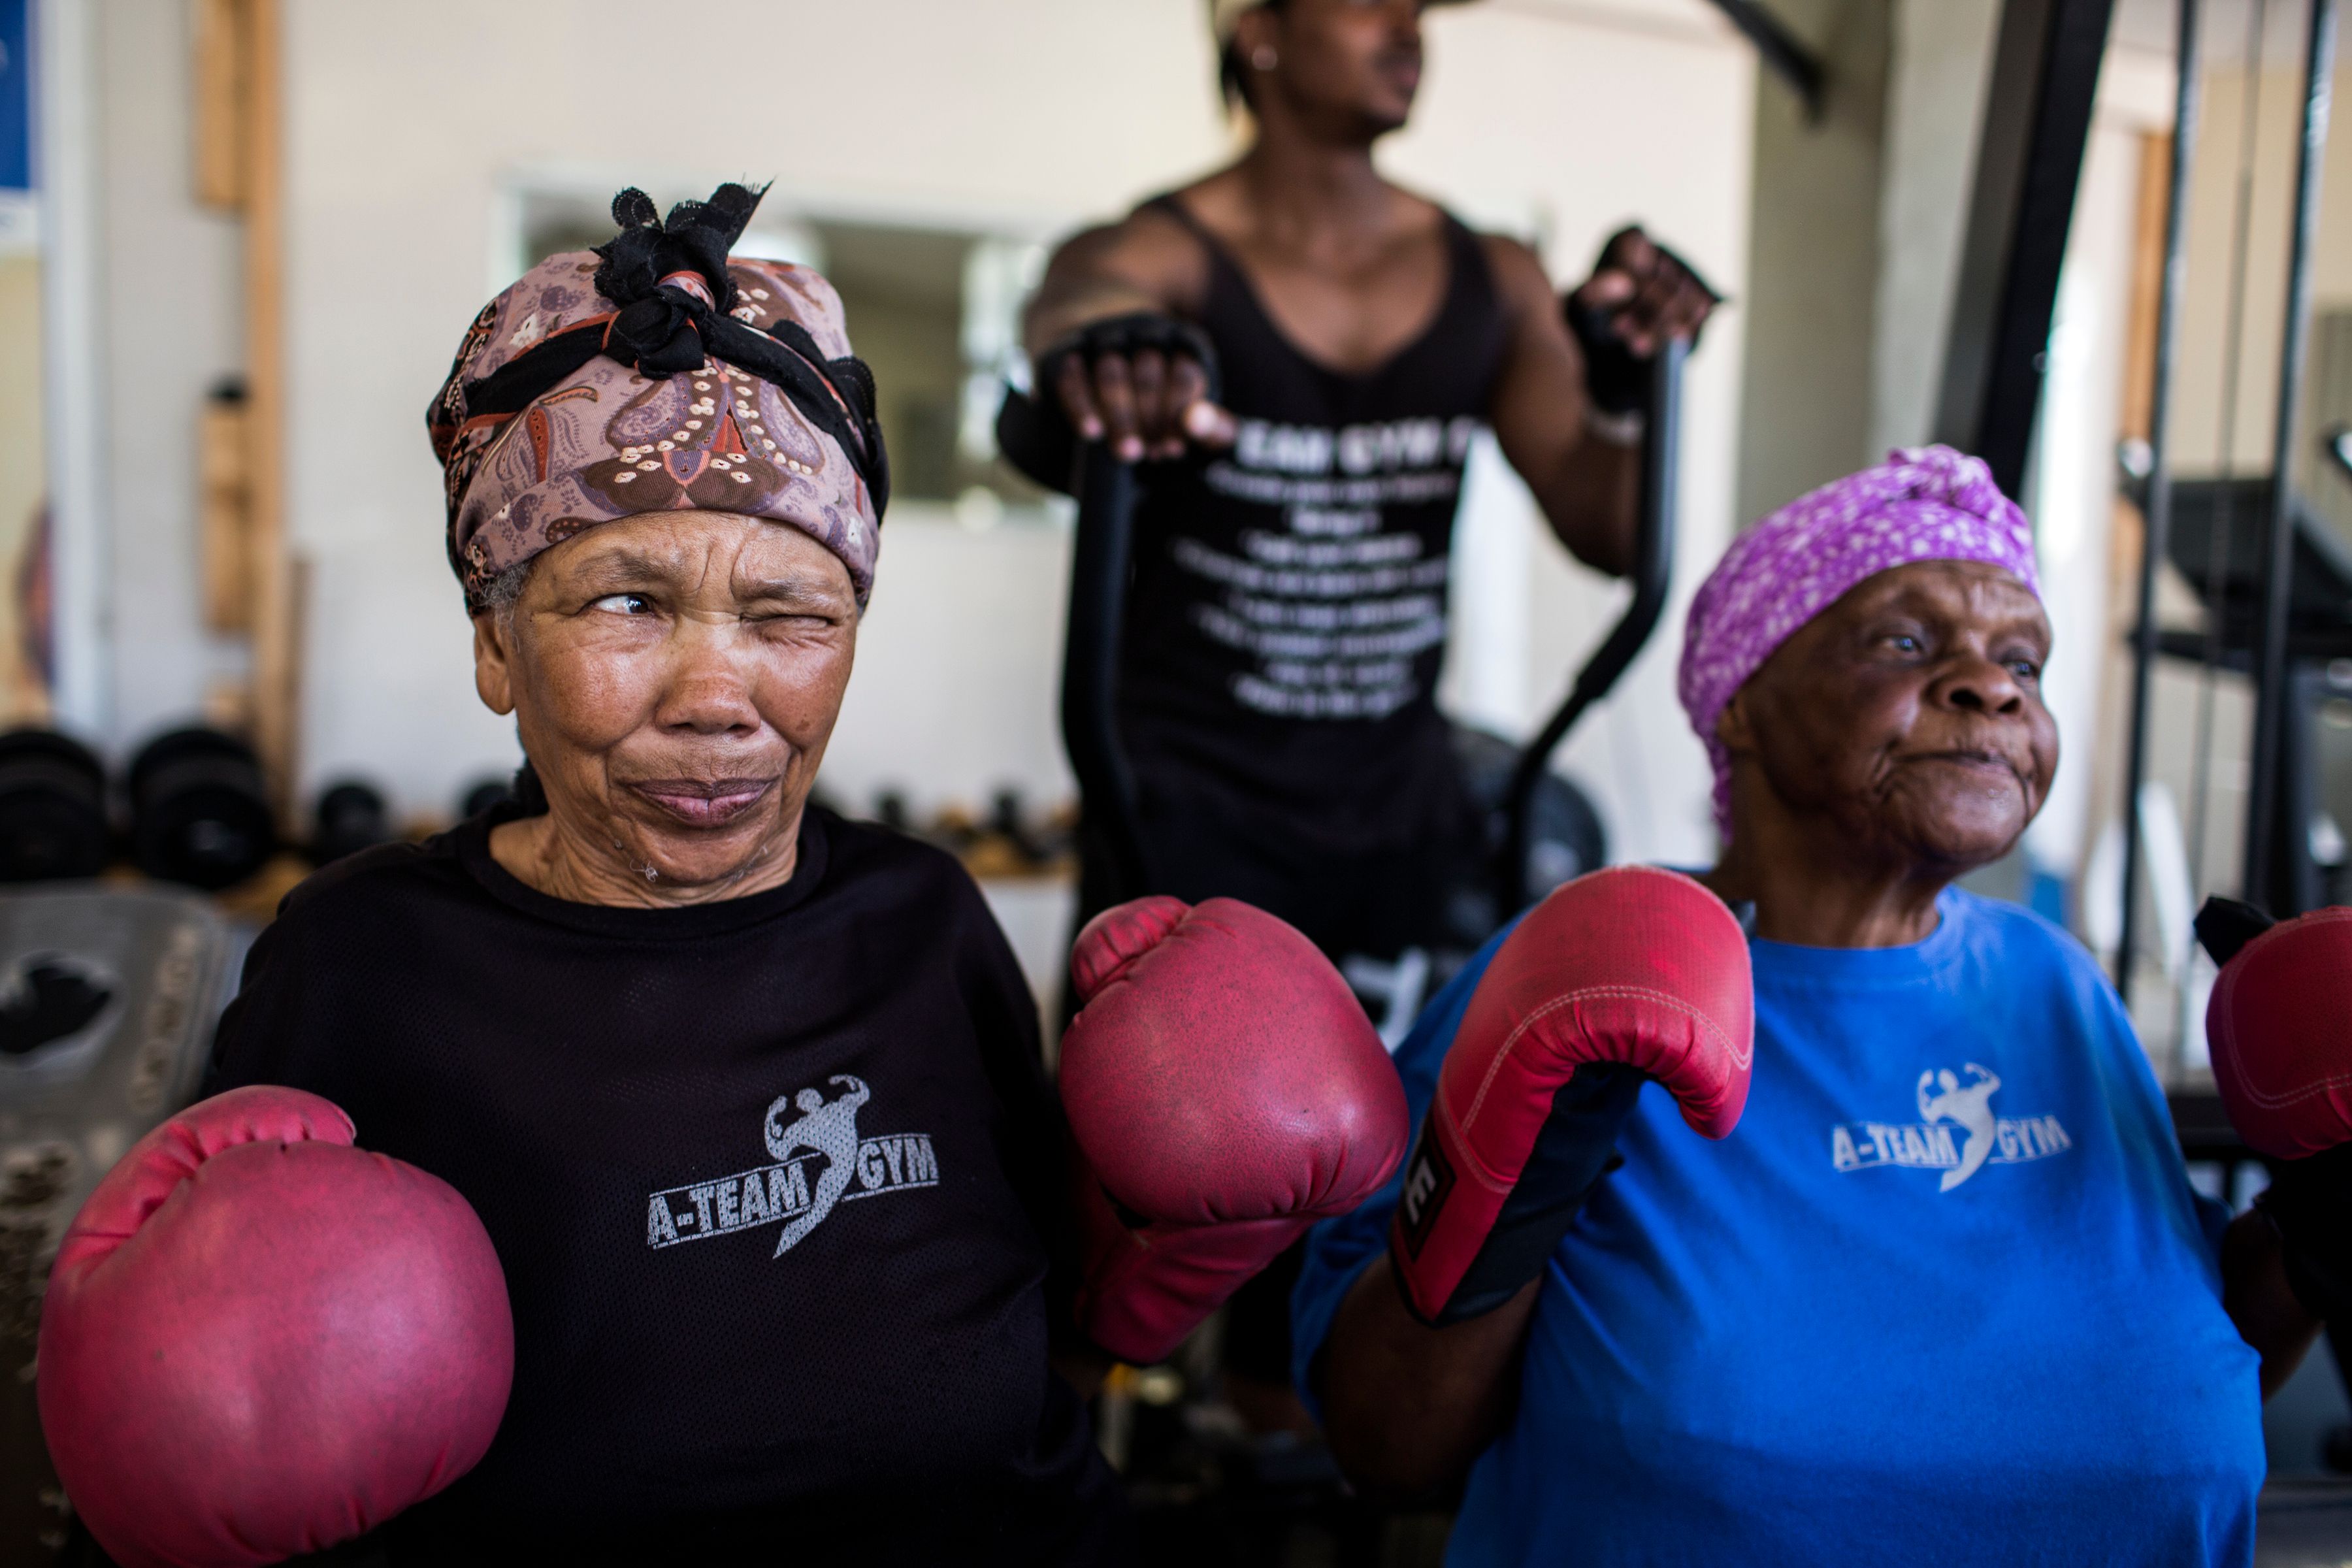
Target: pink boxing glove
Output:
[(259, 1341), (1226, 1091)]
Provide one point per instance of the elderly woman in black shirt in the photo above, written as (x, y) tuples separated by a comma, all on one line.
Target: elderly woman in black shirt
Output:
[(665, 1028), (663, 1024)]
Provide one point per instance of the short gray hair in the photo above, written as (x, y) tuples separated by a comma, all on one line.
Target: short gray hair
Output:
[(503, 591)]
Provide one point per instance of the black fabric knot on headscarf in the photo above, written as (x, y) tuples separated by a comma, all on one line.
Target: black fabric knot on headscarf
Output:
[(695, 239), (662, 329), (661, 334)]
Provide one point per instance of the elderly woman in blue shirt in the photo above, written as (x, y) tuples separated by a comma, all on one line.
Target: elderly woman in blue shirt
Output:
[(1946, 1291)]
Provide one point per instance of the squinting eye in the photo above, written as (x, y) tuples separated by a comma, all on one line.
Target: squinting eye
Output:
[(2025, 670), (625, 603), (1903, 642)]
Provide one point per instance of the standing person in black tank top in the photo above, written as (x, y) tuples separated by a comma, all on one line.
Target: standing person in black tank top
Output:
[(1287, 615)]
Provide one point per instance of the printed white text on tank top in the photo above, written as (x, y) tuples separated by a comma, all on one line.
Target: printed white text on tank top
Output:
[(1334, 610)]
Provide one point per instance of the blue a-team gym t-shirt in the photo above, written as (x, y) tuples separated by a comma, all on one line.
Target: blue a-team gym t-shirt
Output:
[(1945, 1296)]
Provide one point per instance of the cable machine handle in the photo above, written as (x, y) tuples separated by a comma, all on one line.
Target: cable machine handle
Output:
[(1100, 557), (1653, 562)]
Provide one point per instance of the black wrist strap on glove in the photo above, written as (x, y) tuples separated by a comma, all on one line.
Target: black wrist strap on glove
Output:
[(1577, 1147), (1617, 380), (2226, 925), (1037, 438), (2310, 1201), (1133, 333), (1033, 430)]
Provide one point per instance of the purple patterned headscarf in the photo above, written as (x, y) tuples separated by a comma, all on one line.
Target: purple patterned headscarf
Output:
[(1927, 503), (658, 374)]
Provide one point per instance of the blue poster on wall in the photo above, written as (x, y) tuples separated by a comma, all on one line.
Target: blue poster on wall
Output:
[(15, 97)]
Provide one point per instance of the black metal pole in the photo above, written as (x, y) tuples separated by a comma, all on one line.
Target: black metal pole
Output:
[(2262, 823), (2036, 126), (1098, 572), (1654, 564), (2156, 512), (1783, 53)]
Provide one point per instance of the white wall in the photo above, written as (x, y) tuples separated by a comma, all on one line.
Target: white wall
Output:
[(405, 123), (173, 326), (958, 685)]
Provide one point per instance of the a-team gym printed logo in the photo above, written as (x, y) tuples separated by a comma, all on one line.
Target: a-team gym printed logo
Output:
[(1956, 1132), (819, 1158)]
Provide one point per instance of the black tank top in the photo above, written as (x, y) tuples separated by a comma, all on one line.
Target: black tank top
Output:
[(1289, 615)]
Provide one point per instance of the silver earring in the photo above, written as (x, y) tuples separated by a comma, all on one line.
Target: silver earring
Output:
[(1264, 57)]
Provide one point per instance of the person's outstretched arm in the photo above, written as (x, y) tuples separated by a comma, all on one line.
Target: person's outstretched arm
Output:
[(2280, 1059), (1582, 460), (1407, 1407), (1528, 1065), (2260, 1303)]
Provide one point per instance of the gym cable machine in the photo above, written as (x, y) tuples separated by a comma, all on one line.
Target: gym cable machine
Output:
[(2268, 615)]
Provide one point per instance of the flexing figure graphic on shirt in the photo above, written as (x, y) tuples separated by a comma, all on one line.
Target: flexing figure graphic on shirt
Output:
[(830, 1129), (1970, 1105)]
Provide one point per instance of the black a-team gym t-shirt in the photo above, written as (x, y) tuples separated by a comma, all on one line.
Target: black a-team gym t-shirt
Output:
[(776, 1183)]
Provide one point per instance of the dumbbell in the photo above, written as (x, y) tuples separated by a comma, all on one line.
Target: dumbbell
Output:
[(351, 817), (1007, 820), (199, 810), (53, 821)]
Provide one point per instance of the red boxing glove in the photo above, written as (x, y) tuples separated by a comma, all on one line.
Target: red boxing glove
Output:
[(1623, 975), (2280, 1026), (1226, 1091), (259, 1341)]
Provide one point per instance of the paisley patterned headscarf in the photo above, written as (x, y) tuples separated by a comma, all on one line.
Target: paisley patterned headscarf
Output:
[(657, 374), (1928, 503)]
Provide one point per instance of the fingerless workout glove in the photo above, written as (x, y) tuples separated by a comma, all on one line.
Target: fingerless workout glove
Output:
[(1136, 333), (1617, 380)]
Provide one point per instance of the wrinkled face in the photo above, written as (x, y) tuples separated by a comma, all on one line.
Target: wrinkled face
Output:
[(676, 677), (1908, 715), (1359, 60)]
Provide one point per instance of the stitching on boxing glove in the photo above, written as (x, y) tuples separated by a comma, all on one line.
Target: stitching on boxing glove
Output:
[(2221, 1012), (1502, 1057)]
